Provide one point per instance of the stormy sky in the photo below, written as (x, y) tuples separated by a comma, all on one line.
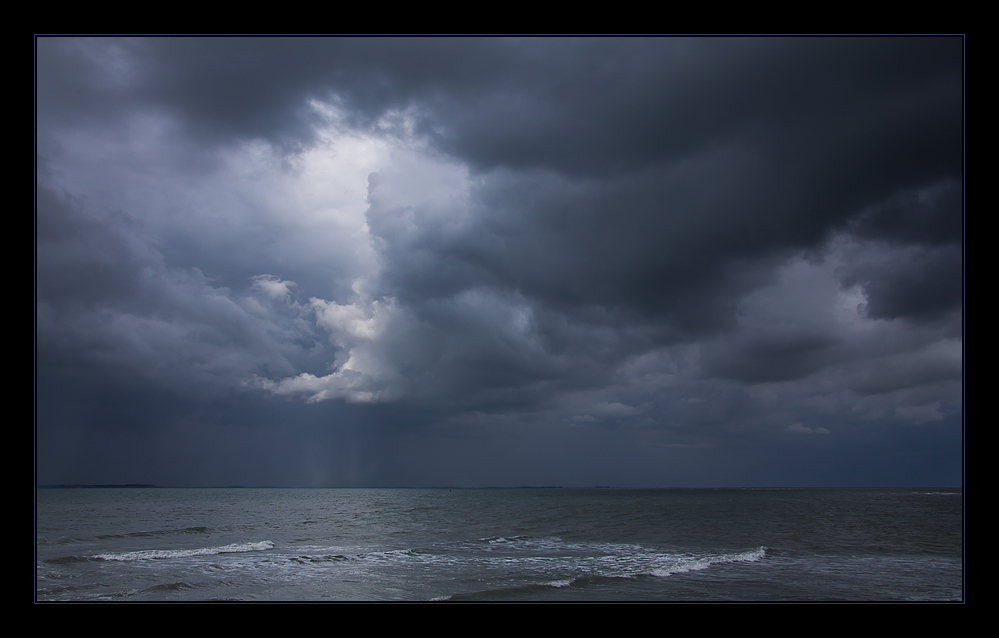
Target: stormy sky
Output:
[(499, 262)]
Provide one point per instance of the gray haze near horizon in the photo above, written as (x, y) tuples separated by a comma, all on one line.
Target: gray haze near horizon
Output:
[(484, 262)]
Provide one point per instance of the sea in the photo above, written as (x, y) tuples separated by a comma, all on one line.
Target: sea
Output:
[(118, 544)]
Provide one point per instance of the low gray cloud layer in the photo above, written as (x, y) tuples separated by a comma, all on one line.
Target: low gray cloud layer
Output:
[(499, 261)]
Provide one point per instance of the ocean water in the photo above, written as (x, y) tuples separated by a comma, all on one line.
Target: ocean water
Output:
[(160, 544)]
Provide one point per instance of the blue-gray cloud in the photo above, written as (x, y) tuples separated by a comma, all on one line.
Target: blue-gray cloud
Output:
[(671, 244)]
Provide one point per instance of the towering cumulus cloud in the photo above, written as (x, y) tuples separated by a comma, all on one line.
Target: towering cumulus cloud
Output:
[(499, 261)]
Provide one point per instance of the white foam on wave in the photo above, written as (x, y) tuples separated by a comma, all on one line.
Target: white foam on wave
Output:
[(682, 564), (560, 583), (155, 554), (568, 561)]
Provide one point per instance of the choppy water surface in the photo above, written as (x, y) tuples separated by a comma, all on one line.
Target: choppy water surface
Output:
[(123, 544)]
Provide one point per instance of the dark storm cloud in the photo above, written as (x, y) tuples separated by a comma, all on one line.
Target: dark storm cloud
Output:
[(597, 105), (742, 147), (228, 88), (682, 238), (931, 216), (567, 105), (657, 242), (783, 359), (920, 283), (107, 300)]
